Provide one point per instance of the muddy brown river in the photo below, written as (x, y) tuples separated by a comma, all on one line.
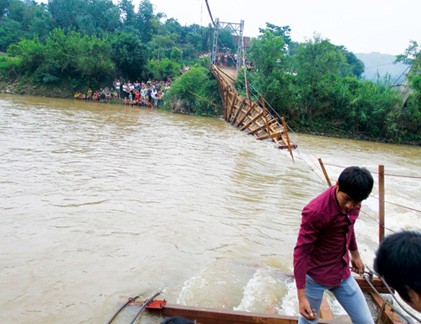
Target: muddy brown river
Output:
[(99, 202)]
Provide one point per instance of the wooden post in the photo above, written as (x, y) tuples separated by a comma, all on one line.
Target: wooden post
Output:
[(284, 125), (381, 203), (325, 173), (265, 117), (246, 83)]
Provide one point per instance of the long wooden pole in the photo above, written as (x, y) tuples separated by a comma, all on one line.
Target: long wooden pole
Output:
[(284, 125), (325, 173), (246, 83), (265, 117), (381, 203)]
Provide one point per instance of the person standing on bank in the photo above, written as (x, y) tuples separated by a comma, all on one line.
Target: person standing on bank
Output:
[(325, 241)]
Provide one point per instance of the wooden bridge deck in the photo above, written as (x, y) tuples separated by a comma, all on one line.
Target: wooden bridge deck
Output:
[(248, 115)]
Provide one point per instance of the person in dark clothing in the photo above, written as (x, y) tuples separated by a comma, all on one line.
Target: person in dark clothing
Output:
[(177, 320), (398, 261)]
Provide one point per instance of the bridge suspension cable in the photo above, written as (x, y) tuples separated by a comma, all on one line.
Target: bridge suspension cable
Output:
[(210, 13), (237, 28)]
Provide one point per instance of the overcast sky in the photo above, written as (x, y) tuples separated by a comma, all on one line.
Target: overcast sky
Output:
[(362, 26)]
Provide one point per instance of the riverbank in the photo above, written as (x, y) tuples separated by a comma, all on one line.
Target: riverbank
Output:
[(24, 87), (64, 92)]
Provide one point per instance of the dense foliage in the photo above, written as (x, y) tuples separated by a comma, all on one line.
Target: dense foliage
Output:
[(195, 92), (84, 44), (317, 85)]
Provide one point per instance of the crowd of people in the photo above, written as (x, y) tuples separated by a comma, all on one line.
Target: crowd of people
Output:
[(148, 94)]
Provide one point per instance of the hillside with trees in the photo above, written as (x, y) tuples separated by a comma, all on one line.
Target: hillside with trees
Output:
[(66, 46)]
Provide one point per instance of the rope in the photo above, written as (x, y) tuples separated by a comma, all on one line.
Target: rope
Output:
[(377, 221), (408, 67), (131, 299), (388, 174), (370, 274), (274, 112), (401, 206)]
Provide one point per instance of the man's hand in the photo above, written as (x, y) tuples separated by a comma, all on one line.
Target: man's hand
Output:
[(304, 306), (357, 263)]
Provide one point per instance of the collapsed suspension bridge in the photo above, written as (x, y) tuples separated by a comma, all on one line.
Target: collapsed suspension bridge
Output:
[(247, 115)]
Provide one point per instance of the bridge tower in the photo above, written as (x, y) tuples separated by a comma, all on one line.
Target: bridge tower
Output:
[(235, 28)]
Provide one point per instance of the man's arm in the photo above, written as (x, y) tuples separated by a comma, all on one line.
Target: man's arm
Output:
[(307, 236), (304, 305)]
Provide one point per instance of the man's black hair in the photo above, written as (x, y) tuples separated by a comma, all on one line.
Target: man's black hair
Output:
[(356, 182), (398, 261), (177, 320)]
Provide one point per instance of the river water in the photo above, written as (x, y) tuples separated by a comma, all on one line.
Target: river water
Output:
[(100, 202)]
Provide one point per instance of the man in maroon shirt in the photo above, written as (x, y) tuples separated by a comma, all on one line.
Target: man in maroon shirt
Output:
[(321, 258)]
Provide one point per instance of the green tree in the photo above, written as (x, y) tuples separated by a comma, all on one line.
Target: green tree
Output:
[(127, 13), (364, 110), (226, 41), (147, 22), (22, 19), (267, 53), (176, 54), (65, 57), (160, 46), (64, 13), (30, 52), (406, 119), (90, 17), (172, 26), (355, 64), (192, 40), (105, 16), (10, 67), (129, 54), (3, 7), (283, 31), (273, 77), (195, 92), (10, 32), (319, 65), (163, 69)]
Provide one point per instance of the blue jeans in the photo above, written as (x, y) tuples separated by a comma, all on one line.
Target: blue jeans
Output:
[(348, 294)]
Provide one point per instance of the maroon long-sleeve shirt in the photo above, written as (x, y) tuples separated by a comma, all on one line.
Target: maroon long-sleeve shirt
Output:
[(325, 236)]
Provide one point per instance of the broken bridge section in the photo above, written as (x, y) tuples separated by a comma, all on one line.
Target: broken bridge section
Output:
[(247, 115)]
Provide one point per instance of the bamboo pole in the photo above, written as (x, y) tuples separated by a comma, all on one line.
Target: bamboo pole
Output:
[(381, 203), (239, 110), (325, 173), (264, 115), (284, 124)]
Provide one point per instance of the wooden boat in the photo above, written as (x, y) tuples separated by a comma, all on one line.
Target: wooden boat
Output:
[(205, 315), (214, 316)]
